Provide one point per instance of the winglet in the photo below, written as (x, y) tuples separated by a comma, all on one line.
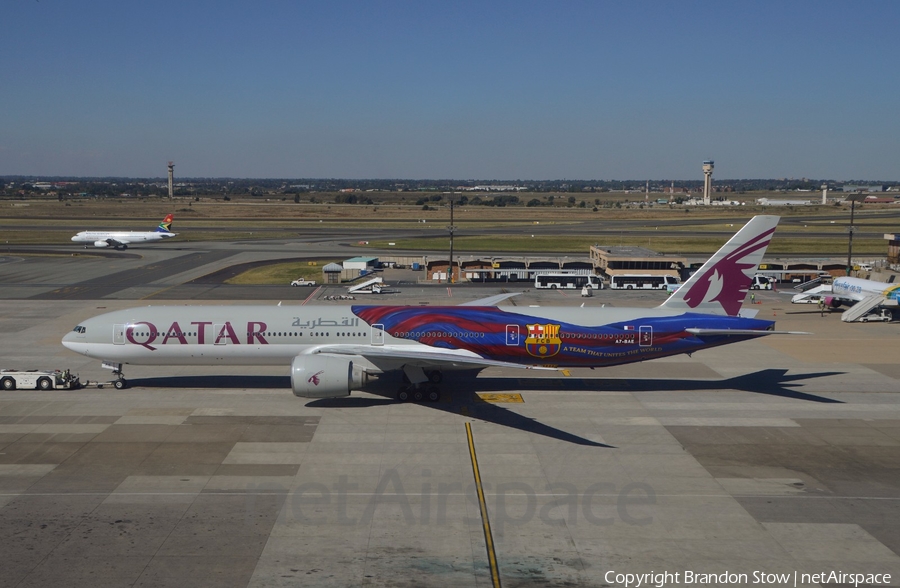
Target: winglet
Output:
[(719, 287)]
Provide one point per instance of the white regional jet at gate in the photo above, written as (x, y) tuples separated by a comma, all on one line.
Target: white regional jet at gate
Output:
[(334, 349), (864, 295), (123, 239), (846, 290)]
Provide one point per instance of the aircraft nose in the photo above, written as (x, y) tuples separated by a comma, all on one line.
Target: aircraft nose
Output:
[(73, 342), (68, 340)]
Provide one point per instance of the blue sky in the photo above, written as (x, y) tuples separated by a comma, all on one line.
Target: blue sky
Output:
[(482, 90)]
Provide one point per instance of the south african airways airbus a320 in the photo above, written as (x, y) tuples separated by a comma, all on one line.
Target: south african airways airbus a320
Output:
[(123, 239), (333, 350)]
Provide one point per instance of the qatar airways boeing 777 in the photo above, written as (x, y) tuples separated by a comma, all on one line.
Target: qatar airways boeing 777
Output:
[(333, 350)]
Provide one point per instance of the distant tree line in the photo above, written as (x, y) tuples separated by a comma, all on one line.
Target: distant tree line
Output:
[(424, 192)]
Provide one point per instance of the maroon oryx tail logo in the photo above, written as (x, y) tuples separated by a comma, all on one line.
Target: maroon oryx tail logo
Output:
[(314, 379), (726, 281)]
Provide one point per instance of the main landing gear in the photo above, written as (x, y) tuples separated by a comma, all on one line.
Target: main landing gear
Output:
[(420, 386), (419, 393)]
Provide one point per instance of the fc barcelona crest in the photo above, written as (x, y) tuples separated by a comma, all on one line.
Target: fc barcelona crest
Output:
[(543, 340)]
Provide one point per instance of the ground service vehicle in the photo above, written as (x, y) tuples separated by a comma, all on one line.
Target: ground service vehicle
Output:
[(42, 380), (641, 282), (303, 282), (883, 315), (761, 283), (804, 298), (566, 281)]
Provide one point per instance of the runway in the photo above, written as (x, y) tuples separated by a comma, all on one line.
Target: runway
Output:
[(778, 455)]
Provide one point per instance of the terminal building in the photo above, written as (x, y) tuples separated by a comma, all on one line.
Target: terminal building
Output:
[(617, 261), (618, 266), (504, 269)]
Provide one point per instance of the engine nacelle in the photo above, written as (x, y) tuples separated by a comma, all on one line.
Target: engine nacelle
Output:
[(101, 244), (325, 376), (832, 302)]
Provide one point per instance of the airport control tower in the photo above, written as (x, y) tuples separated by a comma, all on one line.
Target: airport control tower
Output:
[(171, 178), (708, 166)]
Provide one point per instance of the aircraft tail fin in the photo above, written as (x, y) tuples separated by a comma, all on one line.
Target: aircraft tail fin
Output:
[(719, 287), (166, 225)]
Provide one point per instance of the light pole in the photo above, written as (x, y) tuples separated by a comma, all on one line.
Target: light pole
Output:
[(451, 228), (853, 200)]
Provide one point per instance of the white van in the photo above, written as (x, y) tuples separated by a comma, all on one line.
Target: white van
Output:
[(804, 298), (761, 282)]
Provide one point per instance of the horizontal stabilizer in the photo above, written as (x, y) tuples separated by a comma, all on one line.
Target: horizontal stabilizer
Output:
[(741, 332), (403, 354), (490, 300)]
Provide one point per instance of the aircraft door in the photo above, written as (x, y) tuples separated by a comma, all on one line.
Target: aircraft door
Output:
[(512, 335), (645, 337), (119, 334), (377, 334)]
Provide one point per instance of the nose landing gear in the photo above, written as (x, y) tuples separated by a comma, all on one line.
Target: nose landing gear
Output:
[(120, 382)]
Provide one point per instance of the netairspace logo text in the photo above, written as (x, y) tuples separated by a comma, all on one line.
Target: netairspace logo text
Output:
[(688, 577)]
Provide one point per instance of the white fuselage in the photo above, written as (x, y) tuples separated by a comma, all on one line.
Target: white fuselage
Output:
[(124, 237), (274, 335), (858, 289), (213, 335)]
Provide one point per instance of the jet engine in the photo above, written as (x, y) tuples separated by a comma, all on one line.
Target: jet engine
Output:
[(101, 244), (325, 376), (832, 302)]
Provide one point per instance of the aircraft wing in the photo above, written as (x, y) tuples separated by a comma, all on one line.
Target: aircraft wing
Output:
[(741, 332), (827, 291), (417, 356), (490, 300), (116, 242)]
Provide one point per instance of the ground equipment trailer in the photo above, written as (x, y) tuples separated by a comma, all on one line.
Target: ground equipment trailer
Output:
[(38, 379)]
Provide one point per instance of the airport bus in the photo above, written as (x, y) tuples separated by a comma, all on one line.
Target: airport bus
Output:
[(564, 281), (641, 282)]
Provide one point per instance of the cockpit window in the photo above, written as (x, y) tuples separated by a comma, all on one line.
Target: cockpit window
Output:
[(80, 329)]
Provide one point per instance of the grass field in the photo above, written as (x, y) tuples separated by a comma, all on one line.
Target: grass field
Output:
[(48, 221), (281, 273), (42, 222), (151, 211)]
